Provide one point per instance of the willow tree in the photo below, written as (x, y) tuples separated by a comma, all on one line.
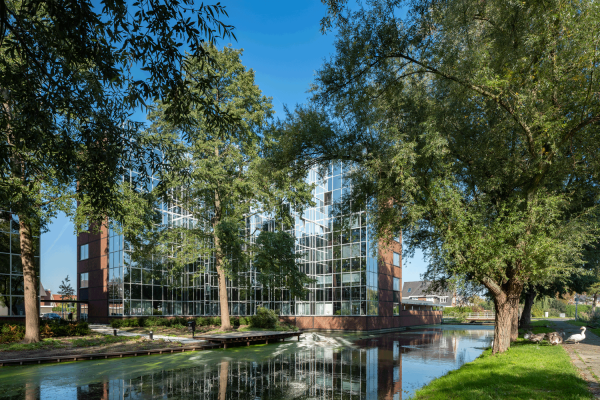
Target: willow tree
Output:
[(224, 179), (476, 128)]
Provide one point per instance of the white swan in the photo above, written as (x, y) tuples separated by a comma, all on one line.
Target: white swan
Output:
[(578, 337)]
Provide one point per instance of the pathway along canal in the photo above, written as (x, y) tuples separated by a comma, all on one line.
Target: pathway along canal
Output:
[(367, 366)]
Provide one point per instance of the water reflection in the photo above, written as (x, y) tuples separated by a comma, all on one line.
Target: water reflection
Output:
[(389, 366)]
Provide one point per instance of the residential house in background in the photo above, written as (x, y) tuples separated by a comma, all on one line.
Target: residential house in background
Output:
[(45, 300), (419, 292)]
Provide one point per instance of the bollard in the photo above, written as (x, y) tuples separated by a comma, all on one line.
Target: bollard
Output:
[(115, 332), (151, 335)]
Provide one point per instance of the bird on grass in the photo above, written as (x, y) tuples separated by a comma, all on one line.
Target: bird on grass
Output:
[(537, 337), (578, 337), (554, 338), (527, 335)]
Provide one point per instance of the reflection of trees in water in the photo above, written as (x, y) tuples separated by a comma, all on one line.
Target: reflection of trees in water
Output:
[(310, 373)]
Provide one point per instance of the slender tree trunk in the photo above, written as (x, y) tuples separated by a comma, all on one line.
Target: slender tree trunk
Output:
[(225, 324), (32, 285), (594, 303), (526, 315), (223, 298)]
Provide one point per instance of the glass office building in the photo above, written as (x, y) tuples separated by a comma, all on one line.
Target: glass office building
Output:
[(352, 277), (12, 301)]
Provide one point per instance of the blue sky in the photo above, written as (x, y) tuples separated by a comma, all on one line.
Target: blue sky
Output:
[(283, 44)]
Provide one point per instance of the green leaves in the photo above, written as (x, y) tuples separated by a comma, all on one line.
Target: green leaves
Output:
[(221, 177), (472, 127), (275, 260)]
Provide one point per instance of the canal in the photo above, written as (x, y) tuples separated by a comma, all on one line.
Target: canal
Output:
[(325, 366)]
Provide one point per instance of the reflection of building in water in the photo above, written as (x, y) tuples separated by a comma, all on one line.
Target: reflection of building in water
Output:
[(353, 373)]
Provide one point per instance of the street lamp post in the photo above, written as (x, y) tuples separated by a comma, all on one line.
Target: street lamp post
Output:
[(576, 302)]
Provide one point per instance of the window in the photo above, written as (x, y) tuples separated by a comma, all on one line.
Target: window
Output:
[(396, 297), (396, 259), (409, 290), (83, 280), (84, 252)]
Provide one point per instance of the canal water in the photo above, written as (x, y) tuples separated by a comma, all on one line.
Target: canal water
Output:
[(345, 366)]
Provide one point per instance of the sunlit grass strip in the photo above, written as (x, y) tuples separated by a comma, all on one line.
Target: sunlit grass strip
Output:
[(525, 371)]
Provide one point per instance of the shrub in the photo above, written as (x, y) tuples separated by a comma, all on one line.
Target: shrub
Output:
[(16, 331), (264, 318), (235, 321), (244, 321), (216, 321), (11, 332)]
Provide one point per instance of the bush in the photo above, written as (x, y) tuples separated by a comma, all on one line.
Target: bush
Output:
[(16, 331), (234, 321), (216, 321), (244, 321), (11, 332), (264, 318)]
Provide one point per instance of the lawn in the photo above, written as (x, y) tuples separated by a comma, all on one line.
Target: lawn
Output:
[(525, 371), (94, 339)]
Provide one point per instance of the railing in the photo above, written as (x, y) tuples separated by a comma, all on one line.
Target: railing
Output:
[(481, 315)]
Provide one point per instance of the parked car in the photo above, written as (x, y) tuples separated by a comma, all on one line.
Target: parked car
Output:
[(51, 317)]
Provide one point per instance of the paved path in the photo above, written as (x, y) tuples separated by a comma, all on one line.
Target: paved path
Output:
[(585, 355), (107, 330)]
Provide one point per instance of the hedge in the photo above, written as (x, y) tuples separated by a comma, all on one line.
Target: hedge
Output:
[(14, 332), (176, 322)]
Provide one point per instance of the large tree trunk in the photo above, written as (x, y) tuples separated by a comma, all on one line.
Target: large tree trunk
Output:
[(32, 285), (506, 299), (526, 315), (502, 328)]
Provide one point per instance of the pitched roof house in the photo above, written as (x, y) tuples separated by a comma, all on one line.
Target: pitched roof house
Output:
[(418, 290)]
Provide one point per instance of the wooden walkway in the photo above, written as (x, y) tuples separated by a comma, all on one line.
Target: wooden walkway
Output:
[(248, 337), (97, 356)]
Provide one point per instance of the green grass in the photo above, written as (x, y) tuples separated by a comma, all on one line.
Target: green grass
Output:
[(525, 371), (45, 344), (101, 340), (84, 341)]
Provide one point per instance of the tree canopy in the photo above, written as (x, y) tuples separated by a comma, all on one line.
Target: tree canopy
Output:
[(476, 129), (72, 73), (222, 180)]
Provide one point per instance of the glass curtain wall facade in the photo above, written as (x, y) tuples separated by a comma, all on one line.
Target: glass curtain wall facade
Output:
[(12, 301), (336, 251)]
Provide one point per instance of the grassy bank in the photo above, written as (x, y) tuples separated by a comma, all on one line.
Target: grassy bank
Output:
[(525, 371), (93, 343), (586, 324)]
